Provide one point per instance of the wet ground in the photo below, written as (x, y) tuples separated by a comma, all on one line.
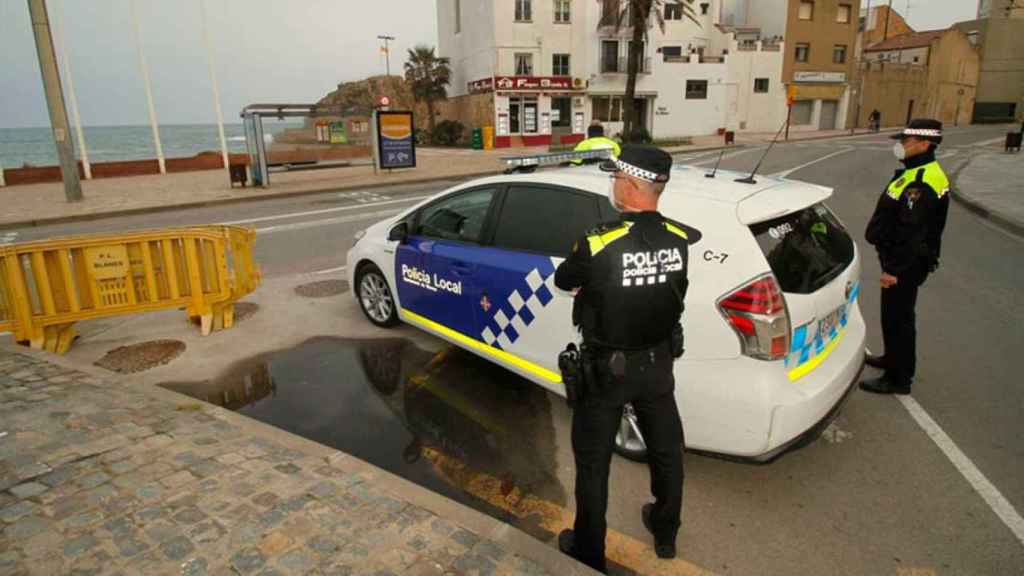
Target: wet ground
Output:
[(451, 422)]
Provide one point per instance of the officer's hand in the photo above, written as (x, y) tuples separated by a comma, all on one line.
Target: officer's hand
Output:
[(888, 280)]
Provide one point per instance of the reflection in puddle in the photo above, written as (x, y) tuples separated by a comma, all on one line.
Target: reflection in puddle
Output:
[(450, 421)]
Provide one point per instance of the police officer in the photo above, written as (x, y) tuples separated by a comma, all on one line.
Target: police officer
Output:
[(906, 229), (596, 140), (631, 280)]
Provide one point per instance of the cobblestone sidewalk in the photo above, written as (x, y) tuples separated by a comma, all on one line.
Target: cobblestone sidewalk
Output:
[(98, 478)]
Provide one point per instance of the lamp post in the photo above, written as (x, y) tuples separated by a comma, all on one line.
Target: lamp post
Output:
[(387, 51)]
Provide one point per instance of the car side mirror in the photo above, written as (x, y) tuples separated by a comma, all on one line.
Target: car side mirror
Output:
[(399, 232)]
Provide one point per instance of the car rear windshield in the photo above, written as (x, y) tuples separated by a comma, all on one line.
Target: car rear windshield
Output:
[(806, 249)]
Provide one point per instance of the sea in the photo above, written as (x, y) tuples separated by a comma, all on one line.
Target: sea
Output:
[(35, 147)]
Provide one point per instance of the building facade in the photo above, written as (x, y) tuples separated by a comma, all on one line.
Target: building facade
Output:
[(543, 70), (999, 32)]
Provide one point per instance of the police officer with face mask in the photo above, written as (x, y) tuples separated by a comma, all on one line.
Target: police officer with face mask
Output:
[(631, 280), (906, 229)]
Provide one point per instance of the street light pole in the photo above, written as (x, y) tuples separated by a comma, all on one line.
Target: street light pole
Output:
[(149, 92), (55, 99), (387, 52)]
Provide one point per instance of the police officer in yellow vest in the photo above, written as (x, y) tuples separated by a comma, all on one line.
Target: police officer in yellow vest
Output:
[(906, 229), (596, 140)]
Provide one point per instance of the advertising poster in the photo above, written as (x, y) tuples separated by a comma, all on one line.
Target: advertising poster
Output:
[(396, 146)]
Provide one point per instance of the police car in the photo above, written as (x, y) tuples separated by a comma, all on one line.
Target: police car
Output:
[(774, 333)]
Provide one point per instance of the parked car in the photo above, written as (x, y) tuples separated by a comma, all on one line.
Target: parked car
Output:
[(774, 334)]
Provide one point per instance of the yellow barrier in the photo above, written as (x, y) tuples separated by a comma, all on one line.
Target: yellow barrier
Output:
[(47, 286)]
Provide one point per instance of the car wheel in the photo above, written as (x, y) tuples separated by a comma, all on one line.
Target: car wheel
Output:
[(629, 441), (375, 297)]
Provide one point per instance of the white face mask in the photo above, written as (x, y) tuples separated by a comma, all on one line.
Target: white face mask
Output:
[(899, 151), (611, 195)]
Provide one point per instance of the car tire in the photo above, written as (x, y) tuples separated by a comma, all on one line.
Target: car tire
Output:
[(629, 441), (375, 296)]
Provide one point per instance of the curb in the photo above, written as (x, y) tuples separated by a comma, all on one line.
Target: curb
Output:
[(1011, 225), (513, 540)]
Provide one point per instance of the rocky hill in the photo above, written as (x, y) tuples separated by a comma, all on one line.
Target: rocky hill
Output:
[(361, 96)]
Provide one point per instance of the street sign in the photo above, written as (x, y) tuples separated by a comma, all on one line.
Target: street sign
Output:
[(385, 101), (790, 94), (396, 146)]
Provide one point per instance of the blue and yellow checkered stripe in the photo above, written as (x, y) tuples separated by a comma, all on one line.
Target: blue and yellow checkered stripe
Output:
[(810, 348)]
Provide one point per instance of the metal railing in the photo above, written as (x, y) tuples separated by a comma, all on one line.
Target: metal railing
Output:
[(47, 286), (621, 65)]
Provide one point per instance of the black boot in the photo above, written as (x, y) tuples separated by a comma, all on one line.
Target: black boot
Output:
[(883, 385), (664, 547), (566, 543), (874, 361)]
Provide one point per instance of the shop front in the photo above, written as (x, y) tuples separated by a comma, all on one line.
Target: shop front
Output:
[(535, 110)]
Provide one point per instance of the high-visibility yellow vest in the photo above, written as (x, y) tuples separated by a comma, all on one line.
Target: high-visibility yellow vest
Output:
[(931, 174)]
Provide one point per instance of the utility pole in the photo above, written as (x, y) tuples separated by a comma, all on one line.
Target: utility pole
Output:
[(55, 99), (387, 51)]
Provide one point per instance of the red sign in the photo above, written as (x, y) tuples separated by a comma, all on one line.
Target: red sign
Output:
[(526, 83), (385, 101)]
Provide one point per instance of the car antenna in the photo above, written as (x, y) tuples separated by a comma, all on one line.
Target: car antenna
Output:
[(717, 162), (750, 179)]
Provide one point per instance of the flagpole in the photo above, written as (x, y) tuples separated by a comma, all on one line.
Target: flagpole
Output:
[(149, 92), (213, 82), (76, 117)]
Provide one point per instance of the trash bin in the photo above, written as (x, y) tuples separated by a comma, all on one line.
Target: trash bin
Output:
[(477, 141), (730, 137), (238, 174), (1013, 140), (488, 133)]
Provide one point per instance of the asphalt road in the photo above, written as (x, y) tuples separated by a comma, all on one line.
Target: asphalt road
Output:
[(875, 495)]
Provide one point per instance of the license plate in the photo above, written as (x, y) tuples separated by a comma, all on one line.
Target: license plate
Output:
[(827, 324)]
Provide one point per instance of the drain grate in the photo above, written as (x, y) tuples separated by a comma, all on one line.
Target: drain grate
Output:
[(141, 357)]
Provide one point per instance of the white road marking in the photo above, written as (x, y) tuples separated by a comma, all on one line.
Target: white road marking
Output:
[(324, 211), (946, 154), (727, 156), (987, 142), (786, 173), (988, 492), (327, 221), (331, 270)]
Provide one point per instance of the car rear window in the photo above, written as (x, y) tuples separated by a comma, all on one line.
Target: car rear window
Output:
[(806, 249)]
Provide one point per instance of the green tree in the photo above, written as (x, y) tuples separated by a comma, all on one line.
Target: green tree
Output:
[(635, 14), (427, 75)]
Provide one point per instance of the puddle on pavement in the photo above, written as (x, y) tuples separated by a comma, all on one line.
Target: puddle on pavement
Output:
[(451, 422)]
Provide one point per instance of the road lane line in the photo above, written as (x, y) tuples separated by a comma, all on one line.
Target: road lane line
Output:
[(331, 270), (786, 173), (711, 161), (327, 221), (988, 492), (987, 142), (324, 211)]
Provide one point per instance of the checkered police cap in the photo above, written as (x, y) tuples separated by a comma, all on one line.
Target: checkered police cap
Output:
[(923, 128), (647, 163)]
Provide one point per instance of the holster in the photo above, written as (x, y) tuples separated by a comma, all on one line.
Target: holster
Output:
[(677, 341), (570, 364)]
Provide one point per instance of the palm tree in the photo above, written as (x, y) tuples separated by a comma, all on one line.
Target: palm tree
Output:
[(427, 74), (637, 13)]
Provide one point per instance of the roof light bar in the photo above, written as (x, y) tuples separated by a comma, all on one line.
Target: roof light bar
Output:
[(556, 158)]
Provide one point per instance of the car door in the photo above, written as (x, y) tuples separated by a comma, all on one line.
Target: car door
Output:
[(435, 268), (521, 316)]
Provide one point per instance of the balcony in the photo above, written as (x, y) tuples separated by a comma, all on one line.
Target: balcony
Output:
[(621, 65)]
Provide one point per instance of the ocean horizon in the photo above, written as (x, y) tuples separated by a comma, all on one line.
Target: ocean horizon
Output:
[(34, 146)]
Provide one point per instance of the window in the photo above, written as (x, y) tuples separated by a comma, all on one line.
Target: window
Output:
[(561, 111), (609, 56), (806, 11), (843, 14), (566, 216), (524, 64), (696, 89), (457, 218), (562, 13), (524, 10), (839, 53), (560, 65), (672, 51), (704, 8), (806, 250), (760, 85), (458, 16), (803, 51), (801, 112), (673, 11), (607, 108)]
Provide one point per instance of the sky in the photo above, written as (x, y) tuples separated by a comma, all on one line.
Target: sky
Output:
[(292, 51)]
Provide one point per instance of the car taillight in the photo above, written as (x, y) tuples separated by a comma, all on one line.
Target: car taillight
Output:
[(757, 312)]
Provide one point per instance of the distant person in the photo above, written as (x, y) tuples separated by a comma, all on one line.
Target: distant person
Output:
[(596, 140), (875, 120), (906, 229)]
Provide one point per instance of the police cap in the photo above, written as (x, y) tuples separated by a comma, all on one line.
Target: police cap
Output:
[(923, 128), (647, 163)]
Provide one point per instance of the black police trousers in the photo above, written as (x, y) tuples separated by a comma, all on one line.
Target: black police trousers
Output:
[(899, 330), (649, 386)]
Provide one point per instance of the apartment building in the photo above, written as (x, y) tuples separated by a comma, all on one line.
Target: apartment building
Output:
[(540, 71), (999, 33)]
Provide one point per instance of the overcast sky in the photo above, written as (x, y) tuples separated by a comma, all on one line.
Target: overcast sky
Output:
[(266, 51)]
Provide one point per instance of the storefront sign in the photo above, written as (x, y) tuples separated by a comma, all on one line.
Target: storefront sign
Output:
[(530, 118), (545, 123), (828, 77), (503, 124), (396, 147), (661, 111), (526, 83), (577, 123)]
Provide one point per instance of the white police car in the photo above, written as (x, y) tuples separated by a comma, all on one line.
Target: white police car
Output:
[(774, 335)]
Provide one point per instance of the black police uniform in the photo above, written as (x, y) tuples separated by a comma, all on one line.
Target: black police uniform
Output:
[(906, 229), (632, 280)]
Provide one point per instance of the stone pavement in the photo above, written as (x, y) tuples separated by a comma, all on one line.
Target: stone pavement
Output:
[(100, 478), (44, 203), (990, 185)]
